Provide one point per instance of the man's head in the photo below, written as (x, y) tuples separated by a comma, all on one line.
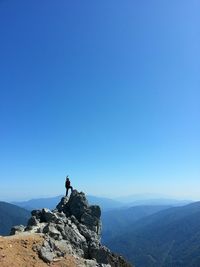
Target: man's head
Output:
[(67, 178)]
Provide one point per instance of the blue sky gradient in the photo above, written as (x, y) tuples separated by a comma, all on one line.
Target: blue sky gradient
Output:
[(105, 91)]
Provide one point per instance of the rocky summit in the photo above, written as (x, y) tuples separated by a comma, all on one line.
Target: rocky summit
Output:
[(72, 228)]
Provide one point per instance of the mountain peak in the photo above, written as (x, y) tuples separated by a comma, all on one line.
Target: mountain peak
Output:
[(72, 228)]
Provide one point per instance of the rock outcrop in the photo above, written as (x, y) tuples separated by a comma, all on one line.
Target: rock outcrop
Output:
[(73, 228)]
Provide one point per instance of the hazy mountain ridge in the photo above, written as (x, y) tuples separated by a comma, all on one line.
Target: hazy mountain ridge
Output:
[(115, 221), (51, 202), (168, 238), (149, 198), (39, 203), (105, 203), (11, 215)]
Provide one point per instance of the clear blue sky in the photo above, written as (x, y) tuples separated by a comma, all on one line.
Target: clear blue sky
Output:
[(105, 91)]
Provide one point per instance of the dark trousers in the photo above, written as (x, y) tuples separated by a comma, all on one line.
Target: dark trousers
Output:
[(67, 189)]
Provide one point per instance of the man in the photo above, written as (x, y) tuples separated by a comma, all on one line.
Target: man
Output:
[(67, 185)]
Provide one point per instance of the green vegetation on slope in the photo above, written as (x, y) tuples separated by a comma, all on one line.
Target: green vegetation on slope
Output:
[(167, 238), (11, 215)]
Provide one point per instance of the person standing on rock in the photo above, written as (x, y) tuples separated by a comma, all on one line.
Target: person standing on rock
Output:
[(68, 185)]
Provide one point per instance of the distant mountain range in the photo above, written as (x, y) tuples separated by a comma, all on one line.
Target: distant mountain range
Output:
[(50, 203), (105, 203), (115, 221), (11, 215), (170, 237), (151, 199), (135, 197), (39, 203)]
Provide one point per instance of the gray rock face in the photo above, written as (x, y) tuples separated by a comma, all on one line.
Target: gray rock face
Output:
[(74, 227), (46, 254), (78, 206), (17, 229)]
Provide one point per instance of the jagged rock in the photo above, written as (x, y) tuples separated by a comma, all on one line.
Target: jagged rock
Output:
[(48, 216), (44, 215), (87, 233), (62, 204), (74, 220), (95, 211), (36, 213), (46, 255), (105, 256), (73, 228), (101, 254), (63, 247), (91, 222), (33, 221), (78, 207), (77, 240), (17, 229), (51, 230)]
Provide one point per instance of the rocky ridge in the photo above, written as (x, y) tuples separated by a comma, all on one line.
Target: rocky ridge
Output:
[(73, 228)]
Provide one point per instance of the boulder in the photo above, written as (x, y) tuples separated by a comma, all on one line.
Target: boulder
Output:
[(62, 204), (36, 213), (51, 230), (46, 255), (33, 221), (48, 216), (17, 229)]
